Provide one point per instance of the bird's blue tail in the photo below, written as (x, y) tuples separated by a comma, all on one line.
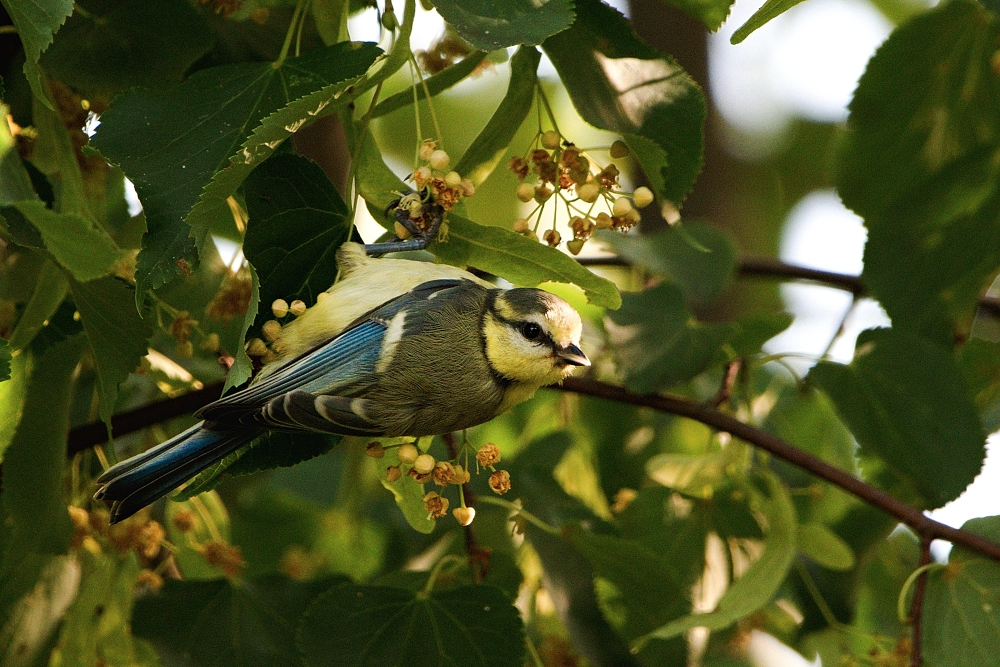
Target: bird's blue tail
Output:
[(136, 482)]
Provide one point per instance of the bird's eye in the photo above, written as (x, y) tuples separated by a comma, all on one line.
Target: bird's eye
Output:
[(530, 330)]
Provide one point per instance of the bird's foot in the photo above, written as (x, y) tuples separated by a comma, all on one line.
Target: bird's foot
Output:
[(422, 219)]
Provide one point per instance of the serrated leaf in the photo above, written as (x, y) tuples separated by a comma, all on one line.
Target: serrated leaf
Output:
[(712, 13), (489, 25), (824, 546), (408, 494), (620, 84), (36, 22), (700, 273), (117, 334), (489, 146), (771, 9), (906, 403), (436, 84), (918, 165), (80, 246), (656, 341), (250, 623), (520, 260), (188, 147), (110, 47), (755, 328), (11, 402), (761, 581), (961, 610), (297, 221), (355, 626)]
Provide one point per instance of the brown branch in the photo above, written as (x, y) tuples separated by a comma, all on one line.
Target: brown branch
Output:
[(916, 610), (924, 526)]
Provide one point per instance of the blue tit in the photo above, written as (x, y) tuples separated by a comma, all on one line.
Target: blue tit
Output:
[(394, 348)]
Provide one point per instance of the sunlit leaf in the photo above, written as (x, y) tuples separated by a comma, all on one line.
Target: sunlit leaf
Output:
[(36, 22), (356, 626), (81, 247), (906, 403), (495, 25), (620, 84), (710, 12), (408, 495)]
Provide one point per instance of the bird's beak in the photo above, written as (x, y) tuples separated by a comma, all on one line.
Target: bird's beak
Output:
[(572, 355)]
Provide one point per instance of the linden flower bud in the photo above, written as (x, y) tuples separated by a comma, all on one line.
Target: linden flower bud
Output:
[(297, 308), (443, 473), (453, 179), (407, 453), (436, 505), (389, 21), (604, 221), (500, 482), (271, 329), (575, 246), (426, 148), (633, 216), (525, 192), (550, 140), (374, 450), (542, 192), (424, 464), (279, 307), (670, 213), (488, 455), (621, 207), (393, 473), (588, 192), (210, 343), (422, 175), (618, 149), (185, 350), (400, 231), (464, 515), (439, 160), (150, 580), (552, 237), (462, 475), (322, 296), (521, 226), (468, 187), (643, 197)]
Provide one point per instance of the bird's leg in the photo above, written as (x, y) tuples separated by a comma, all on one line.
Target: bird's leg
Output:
[(423, 227)]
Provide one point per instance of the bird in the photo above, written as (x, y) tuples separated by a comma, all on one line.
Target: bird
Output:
[(396, 347)]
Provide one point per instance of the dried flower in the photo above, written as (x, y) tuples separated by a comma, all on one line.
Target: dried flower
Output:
[(488, 455), (225, 557), (436, 505), (375, 450), (443, 473), (500, 482)]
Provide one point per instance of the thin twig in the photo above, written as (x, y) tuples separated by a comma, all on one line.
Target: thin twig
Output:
[(728, 381)]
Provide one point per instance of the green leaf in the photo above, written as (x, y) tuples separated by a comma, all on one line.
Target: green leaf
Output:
[(825, 547), (657, 344), (408, 494), (961, 613), (36, 22), (33, 505), (116, 333), (331, 19), (761, 581), (919, 167), (979, 361), (81, 247), (297, 220), (436, 84), (110, 47), (489, 25), (618, 83), (95, 629), (11, 402), (6, 355), (250, 623), (55, 155), (520, 260), (770, 10), (33, 600), (188, 147), (712, 13), (489, 146), (906, 403), (755, 328), (701, 275), (242, 367), (352, 626), (377, 184)]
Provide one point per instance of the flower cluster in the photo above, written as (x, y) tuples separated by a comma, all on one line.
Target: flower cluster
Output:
[(555, 169), (422, 468), (271, 329)]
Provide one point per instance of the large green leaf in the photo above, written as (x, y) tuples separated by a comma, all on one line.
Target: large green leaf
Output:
[(905, 401), (355, 626), (109, 47), (117, 335), (919, 167), (248, 623), (80, 246), (408, 494), (961, 611), (486, 150), (620, 84), (701, 273), (657, 343), (297, 220), (490, 25), (36, 22), (520, 260), (771, 9), (188, 147), (761, 581), (979, 361), (710, 12)]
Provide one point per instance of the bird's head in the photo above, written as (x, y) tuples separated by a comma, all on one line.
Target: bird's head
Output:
[(532, 336)]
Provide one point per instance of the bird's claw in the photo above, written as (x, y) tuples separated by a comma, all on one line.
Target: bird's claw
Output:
[(423, 226)]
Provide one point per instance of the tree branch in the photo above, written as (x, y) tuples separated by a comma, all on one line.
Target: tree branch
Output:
[(916, 610)]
